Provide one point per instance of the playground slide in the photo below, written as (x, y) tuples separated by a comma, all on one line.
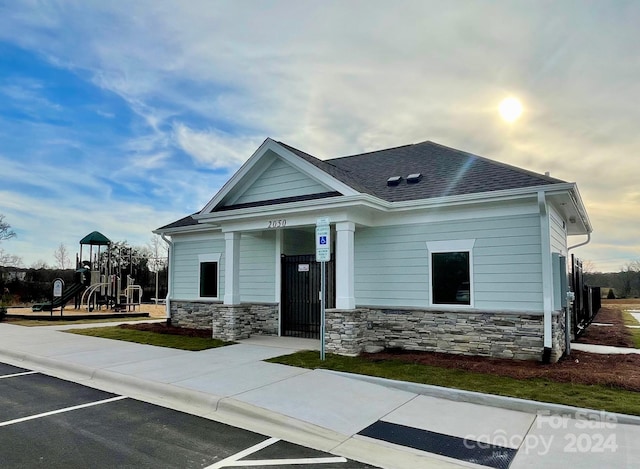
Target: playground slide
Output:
[(68, 294)]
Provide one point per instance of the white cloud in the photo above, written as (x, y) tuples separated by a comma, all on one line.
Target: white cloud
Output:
[(213, 79), (214, 149)]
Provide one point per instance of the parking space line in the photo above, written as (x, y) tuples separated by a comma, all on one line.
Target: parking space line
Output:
[(233, 461), (289, 462), (60, 411), (18, 374)]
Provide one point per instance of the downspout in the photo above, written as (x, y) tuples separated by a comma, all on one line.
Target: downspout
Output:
[(547, 283), (569, 301), (169, 282)]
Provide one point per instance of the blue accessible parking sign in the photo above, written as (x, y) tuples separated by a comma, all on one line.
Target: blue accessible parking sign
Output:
[(323, 241)]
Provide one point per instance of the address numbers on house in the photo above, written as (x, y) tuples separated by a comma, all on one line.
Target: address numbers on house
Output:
[(277, 223)]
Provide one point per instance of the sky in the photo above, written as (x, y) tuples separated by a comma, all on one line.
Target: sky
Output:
[(122, 116)]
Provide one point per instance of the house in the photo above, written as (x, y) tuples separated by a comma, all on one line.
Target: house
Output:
[(432, 249)]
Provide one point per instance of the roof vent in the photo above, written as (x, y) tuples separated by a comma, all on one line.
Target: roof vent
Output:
[(413, 178), (394, 180)]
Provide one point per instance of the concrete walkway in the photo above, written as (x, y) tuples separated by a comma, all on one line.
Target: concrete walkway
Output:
[(390, 424), (606, 349)]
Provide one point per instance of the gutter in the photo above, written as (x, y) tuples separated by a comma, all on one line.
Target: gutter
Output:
[(169, 282), (567, 317), (373, 202), (581, 244)]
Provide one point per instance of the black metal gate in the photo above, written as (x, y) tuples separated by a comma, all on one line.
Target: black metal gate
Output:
[(300, 298), (586, 302)]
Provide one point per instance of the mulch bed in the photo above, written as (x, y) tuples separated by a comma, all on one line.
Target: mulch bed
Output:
[(617, 335), (162, 328), (620, 371)]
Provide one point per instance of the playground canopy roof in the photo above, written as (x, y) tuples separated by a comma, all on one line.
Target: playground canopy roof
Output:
[(96, 239)]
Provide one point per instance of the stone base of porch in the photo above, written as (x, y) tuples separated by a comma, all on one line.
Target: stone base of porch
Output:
[(499, 335), (227, 322)]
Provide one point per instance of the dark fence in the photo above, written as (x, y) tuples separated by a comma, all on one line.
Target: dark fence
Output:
[(586, 303)]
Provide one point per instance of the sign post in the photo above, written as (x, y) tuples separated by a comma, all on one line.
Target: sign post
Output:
[(58, 286), (323, 255)]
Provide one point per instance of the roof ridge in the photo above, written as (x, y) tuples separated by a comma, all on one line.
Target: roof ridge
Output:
[(290, 147), (373, 151)]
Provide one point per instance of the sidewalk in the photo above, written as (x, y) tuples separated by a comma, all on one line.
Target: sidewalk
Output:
[(386, 423)]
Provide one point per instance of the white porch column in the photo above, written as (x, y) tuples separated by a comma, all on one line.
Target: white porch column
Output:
[(232, 268), (345, 278)]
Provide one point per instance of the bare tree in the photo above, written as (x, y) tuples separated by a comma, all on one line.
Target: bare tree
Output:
[(39, 264), (9, 260), (157, 254), (588, 267), (630, 279), (5, 229), (6, 259), (61, 255)]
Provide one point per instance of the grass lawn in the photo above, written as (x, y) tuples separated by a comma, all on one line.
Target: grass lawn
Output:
[(539, 389), (629, 320), (152, 338)]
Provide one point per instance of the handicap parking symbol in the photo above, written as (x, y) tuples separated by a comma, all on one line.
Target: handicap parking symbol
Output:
[(323, 240)]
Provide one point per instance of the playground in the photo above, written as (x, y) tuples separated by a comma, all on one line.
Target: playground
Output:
[(103, 287)]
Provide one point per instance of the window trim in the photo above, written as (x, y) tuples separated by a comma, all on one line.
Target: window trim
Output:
[(203, 258), (460, 245)]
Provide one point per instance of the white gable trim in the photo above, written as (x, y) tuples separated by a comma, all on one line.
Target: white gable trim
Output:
[(253, 162)]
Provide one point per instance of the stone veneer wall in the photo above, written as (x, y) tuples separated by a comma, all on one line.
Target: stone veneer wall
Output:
[(558, 337), (227, 322), (500, 335), (192, 314)]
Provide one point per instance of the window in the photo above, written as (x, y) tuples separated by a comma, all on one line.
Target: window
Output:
[(451, 272), (450, 282), (208, 275), (209, 279)]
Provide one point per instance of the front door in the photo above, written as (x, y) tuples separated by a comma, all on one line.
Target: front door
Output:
[(300, 297)]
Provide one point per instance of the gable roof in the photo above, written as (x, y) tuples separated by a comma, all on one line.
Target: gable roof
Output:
[(444, 172), (182, 223)]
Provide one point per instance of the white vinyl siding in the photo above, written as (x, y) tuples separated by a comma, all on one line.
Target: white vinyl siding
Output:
[(392, 269), (186, 266), (257, 267), (558, 232), (280, 180)]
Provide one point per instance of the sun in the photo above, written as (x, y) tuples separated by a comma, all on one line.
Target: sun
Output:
[(510, 109)]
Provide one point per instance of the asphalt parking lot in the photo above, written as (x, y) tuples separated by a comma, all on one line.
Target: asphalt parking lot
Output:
[(49, 422)]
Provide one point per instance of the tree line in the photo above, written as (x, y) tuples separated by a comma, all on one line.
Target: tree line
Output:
[(623, 284)]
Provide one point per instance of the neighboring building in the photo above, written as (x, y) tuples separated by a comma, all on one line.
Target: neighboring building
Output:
[(434, 249), (11, 274)]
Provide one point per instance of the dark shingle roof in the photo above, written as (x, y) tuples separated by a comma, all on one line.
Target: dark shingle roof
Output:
[(332, 170), (186, 221), (445, 172)]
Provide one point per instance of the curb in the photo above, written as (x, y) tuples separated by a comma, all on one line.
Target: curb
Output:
[(509, 403), (225, 410)]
